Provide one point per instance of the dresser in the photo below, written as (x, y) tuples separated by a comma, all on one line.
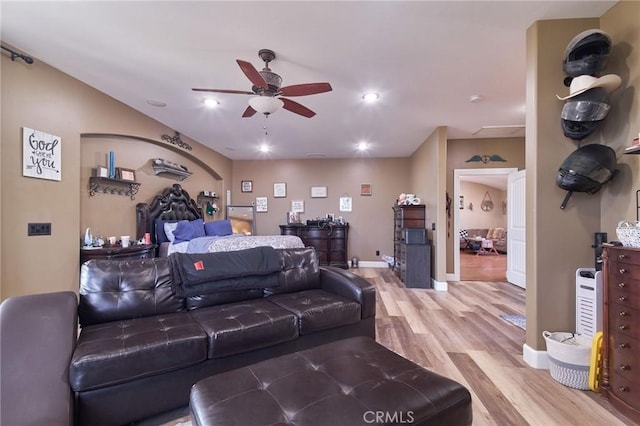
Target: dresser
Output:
[(621, 329), (118, 253), (411, 250), (330, 241)]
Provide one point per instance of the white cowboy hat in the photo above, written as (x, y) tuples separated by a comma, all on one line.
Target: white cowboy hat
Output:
[(582, 83)]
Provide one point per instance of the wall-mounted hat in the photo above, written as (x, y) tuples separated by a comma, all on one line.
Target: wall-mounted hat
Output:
[(582, 83)]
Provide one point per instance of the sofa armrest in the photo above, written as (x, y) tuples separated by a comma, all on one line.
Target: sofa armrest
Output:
[(349, 285), (37, 338)]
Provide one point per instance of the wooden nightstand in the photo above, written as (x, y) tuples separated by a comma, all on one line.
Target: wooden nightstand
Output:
[(118, 253)]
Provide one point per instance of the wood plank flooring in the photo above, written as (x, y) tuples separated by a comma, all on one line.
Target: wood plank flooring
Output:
[(460, 334)]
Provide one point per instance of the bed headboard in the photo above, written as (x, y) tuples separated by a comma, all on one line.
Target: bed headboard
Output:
[(173, 204)]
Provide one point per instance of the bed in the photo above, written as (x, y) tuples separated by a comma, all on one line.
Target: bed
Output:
[(187, 232)]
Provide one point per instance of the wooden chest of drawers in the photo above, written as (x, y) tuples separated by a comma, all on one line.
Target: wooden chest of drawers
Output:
[(621, 343)]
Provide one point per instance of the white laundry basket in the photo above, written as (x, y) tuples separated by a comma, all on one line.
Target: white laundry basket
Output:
[(569, 358)]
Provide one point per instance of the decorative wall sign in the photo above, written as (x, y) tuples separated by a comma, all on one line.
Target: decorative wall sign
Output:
[(485, 158), (126, 174), (345, 204), (261, 204), (318, 192), (297, 206), (279, 190), (41, 155), (487, 203)]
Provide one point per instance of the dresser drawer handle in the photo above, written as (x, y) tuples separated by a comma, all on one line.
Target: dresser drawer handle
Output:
[(622, 256), (623, 346), (622, 298), (623, 314), (623, 389), (624, 327), (625, 367), (622, 270), (622, 285)]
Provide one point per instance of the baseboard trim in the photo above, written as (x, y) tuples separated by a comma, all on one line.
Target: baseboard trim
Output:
[(440, 285), (535, 359)]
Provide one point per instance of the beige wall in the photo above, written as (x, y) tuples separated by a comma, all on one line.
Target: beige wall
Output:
[(43, 98), (371, 219), (475, 217), (428, 181)]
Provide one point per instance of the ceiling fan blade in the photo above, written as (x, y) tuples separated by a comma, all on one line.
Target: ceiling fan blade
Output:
[(236, 92), (305, 89), (293, 106), (249, 112), (252, 74)]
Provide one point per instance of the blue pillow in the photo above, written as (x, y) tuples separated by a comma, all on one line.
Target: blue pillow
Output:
[(218, 228), (188, 230)]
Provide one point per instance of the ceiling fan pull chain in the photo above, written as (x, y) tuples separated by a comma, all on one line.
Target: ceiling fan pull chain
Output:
[(266, 130)]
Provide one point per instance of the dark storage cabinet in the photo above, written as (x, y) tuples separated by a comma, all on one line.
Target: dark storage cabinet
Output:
[(411, 250), (330, 241)]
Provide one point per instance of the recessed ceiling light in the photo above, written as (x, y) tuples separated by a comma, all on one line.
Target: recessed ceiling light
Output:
[(264, 148), (370, 97), (155, 103), (362, 146), (211, 103), (475, 99)]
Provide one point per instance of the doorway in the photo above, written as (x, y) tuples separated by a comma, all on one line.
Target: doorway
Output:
[(496, 177)]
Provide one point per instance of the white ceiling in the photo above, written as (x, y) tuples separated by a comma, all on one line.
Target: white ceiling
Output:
[(426, 59)]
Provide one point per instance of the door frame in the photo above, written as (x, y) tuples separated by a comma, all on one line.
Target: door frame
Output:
[(457, 173)]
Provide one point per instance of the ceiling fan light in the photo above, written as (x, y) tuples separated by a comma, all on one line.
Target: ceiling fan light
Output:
[(265, 104), (370, 97)]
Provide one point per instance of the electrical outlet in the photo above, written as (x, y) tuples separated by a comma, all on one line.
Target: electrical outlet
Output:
[(34, 229), (377, 252)]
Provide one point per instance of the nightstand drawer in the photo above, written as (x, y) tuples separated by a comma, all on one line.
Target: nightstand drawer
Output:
[(624, 320)]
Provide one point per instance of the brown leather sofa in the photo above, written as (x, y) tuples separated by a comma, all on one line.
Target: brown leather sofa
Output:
[(141, 347)]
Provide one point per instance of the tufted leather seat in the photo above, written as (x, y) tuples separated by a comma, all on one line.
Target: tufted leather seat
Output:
[(244, 326), (349, 382)]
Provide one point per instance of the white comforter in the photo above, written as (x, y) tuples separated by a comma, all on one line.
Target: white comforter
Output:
[(235, 242)]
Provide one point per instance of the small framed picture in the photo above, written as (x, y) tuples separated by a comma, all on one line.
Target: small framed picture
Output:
[(318, 192), (345, 204), (293, 217), (126, 174), (246, 186), (365, 189), (102, 171), (297, 206), (279, 190), (261, 204)]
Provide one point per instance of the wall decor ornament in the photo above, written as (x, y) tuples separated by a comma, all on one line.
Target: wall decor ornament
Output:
[(365, 189), (461, 202), (487, 203), (41, 155), (485, 158), (176, 140), (318, 192)]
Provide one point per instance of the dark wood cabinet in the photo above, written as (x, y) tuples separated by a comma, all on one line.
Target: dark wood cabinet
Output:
[(412, 258), (118, 253), (621, 330), (330, 241)]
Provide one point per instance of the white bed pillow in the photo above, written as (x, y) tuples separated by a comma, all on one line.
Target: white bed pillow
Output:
[(169, 227)]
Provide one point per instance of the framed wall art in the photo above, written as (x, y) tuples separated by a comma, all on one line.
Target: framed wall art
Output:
[(318, 192), (345, 204), (365, 189), (246, 186), (126, 174), (279, 190), (41, 155), (297, 206), (261, 204)]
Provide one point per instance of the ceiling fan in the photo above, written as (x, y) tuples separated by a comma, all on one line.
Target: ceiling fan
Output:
[(266, 85)]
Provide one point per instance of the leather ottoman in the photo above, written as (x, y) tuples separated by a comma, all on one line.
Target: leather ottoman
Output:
[(349, 382)]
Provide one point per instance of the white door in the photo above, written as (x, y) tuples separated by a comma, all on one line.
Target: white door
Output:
[(516, 244)]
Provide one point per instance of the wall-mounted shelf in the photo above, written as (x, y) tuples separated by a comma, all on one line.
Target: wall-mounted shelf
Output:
[(112, 186), (167, 168)]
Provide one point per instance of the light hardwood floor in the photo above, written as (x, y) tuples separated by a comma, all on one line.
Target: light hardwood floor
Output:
[(460, 334)]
